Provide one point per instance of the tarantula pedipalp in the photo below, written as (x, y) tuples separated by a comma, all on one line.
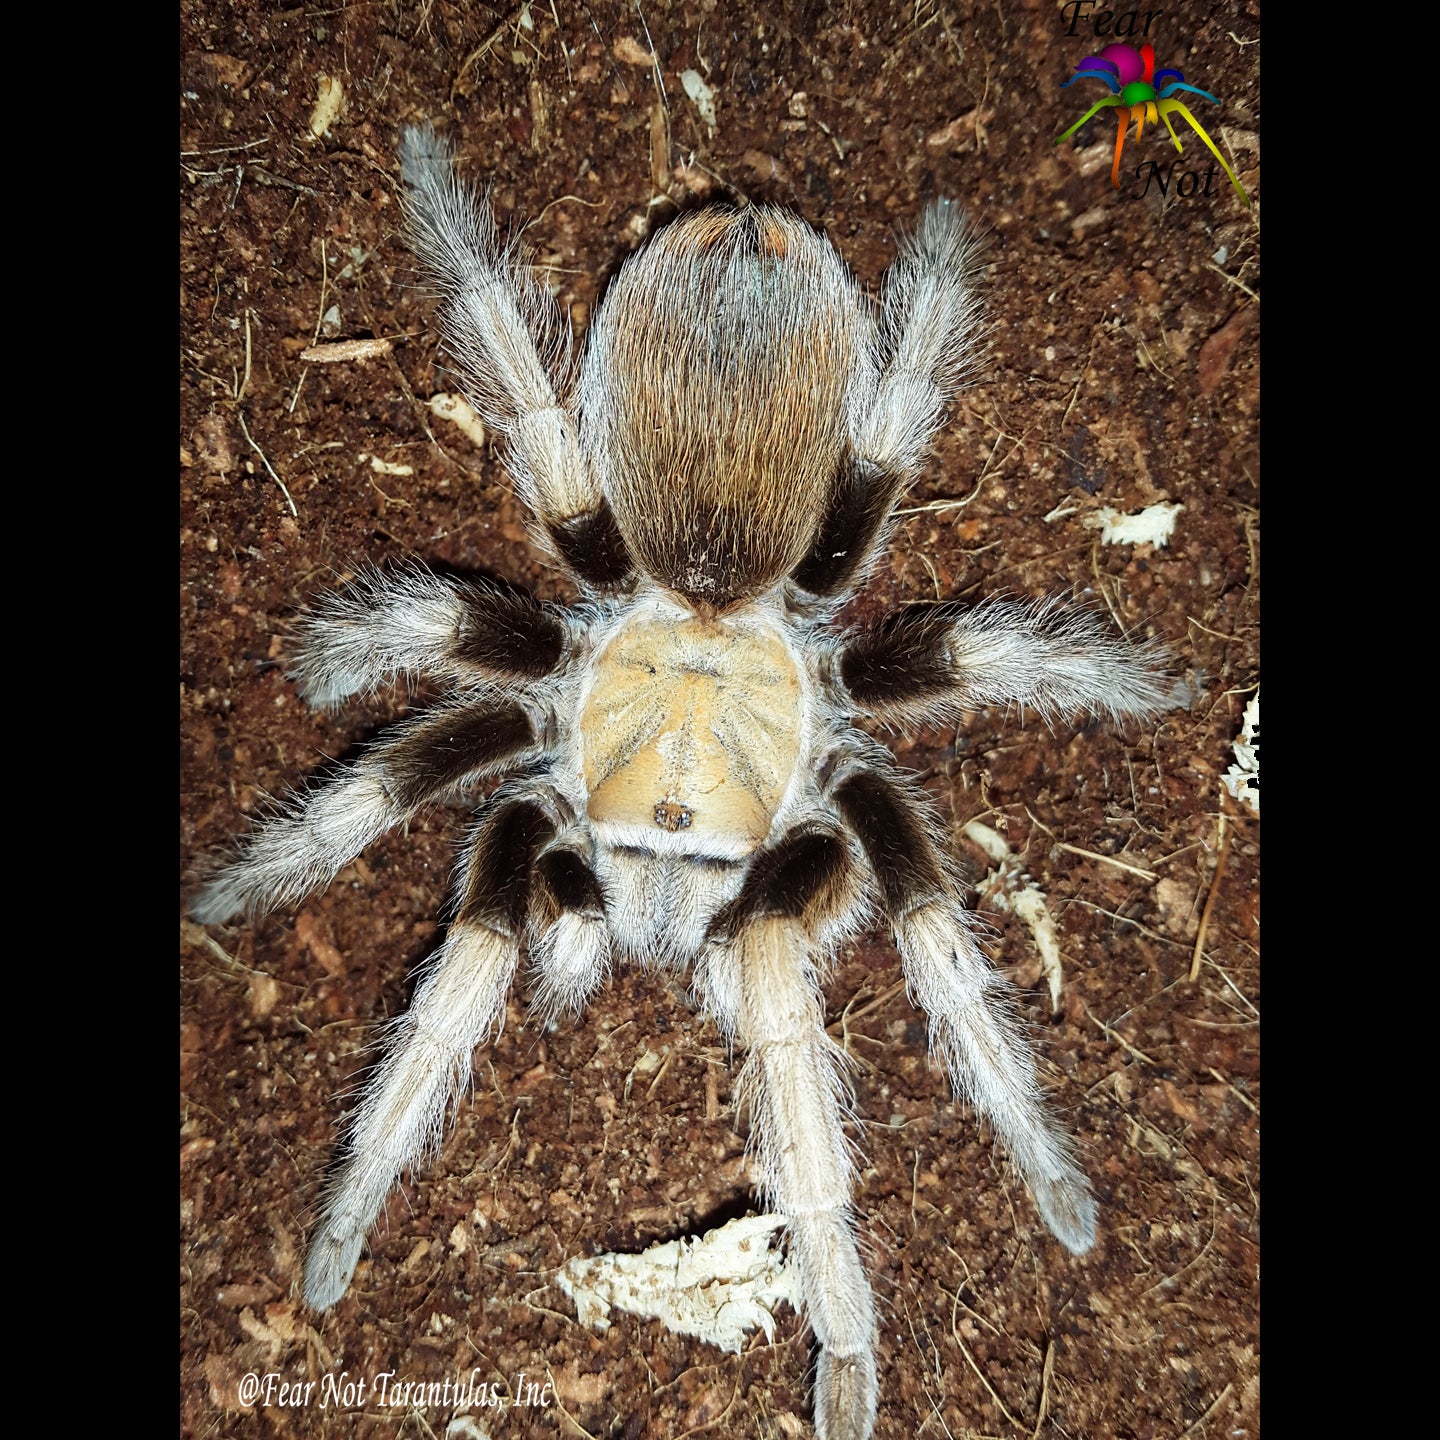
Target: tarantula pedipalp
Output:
[(681, 779)]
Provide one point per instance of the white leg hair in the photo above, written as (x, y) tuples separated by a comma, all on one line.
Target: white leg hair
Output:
[(503, 329), (400, 1121), (571, 959), (638, 888), (976, 1034), (295, 853), (323, 829), (930, 329), (660, 906), (933, 664), (380, 627), (413, 623), (763, 990), (1055, 658)]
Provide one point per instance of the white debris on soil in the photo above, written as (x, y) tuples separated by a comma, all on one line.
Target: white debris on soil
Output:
[(1242, 779), (630, 51), (702, 97), (459, 412), (1152, 526), (466, 1427), (1019, 895), (385, 467), (328, 106), (718, 1288)]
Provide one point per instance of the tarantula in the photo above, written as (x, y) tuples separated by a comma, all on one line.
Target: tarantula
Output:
[(681, 778)]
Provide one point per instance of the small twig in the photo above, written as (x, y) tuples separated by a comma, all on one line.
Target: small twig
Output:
[(1194, 1260), (939, 507), (194, 935), (1239, 1094), (1227, 638), (1101, 588), (710, 1424), (1238, 284), (289, 499), (560, 1406), (564, 48), (1107, 860), (1046, 1370), (843, 1026), (388, 499), (1145, 930), (478, 53), (974, 1314), (1160, 370), (970, 1360), (324, 292), (1075, 393), (875, 1004), (1223, 842), (654, 59), (295, 393), (1215, 1405), (1118, 1038), (265, 178), (1239, 993), (245, 380), (660, 1073), (999, 436), (579, 200), (934, 576), (226, 149)]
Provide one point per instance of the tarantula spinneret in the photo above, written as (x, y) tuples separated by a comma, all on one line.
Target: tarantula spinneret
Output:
[(680, 777)]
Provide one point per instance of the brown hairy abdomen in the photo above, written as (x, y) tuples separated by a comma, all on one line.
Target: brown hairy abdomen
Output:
[(726, 353)]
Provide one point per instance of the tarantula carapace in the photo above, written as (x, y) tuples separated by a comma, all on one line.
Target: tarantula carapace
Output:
[(680, 776)]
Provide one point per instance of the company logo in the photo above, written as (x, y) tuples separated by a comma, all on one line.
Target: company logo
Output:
[(1139, 93)]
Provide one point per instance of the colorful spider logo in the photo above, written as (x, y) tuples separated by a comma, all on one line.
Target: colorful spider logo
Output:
[(1130, 74)]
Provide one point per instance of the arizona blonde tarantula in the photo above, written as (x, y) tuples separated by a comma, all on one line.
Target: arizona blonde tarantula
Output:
[(681, 778)]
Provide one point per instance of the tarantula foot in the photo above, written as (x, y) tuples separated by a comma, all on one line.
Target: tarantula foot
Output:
[(221, 898), (334, 1254), (846, 1391), (1068, 1208)]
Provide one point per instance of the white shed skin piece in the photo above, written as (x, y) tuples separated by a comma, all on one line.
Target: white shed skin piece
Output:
[(719, 1288), (1242, 779), (680, 776)]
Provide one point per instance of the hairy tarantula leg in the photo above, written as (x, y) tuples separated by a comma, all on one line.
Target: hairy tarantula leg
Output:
[(933, 662), (974, 1027), (506, 334), (298, 851), (418, 624), (931, 323), (459, 1004), (931, 328), (793, 1085), (570, 940), (760, 981), (852, 529)]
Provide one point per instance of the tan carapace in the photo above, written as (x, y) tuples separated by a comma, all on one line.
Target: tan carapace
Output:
[(691, 725)]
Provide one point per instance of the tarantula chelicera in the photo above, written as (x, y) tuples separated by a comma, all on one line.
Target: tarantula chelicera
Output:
[(681, 778)]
